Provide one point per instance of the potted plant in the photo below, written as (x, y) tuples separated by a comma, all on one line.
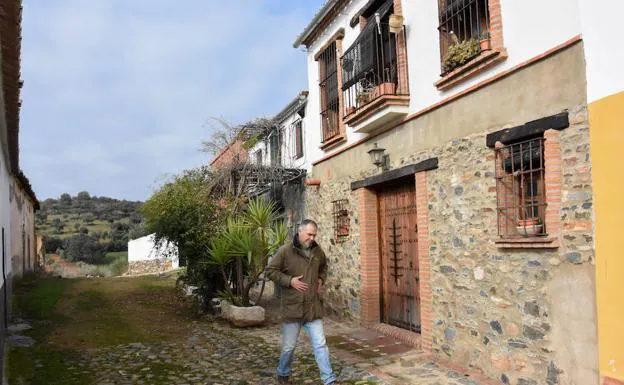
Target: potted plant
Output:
[(351, 110), (362, 97), (460, 53), (242, 251), (484, 41)]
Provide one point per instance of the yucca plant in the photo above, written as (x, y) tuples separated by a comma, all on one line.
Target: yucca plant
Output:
[(248, 241)]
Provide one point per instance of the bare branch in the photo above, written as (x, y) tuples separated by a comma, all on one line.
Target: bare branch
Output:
[(223, 133)]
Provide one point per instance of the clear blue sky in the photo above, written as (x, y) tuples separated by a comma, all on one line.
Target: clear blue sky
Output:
[(117, 93)]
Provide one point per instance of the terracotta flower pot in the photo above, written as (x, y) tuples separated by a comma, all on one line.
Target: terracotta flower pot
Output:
[(384, 89), (484, 44), (528, 222)]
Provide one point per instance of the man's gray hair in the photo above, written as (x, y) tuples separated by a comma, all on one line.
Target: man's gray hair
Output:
[(306, 222)]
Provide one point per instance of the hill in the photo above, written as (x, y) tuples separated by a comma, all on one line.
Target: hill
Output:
[(108, 222)]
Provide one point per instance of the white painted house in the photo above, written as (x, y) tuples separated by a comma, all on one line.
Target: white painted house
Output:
[(436, 130), (284, 145), (147, 256)]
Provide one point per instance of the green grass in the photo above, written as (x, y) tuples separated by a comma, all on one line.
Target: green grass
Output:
[(37, 299), (90, 300)]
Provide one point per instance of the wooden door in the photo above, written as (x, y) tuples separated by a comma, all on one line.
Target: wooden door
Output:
[(399, 256)]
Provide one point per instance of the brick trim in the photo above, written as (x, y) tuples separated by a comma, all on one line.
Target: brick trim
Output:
[(424, 262), (369, 258), (401, 52), (341, 123), (496, 25), (499, 76), (553, 177), (405, 336)]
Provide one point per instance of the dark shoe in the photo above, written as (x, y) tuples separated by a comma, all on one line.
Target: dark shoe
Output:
[(281, 380)]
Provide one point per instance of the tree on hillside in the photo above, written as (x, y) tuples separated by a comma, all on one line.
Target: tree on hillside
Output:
[(83, 247), (83, 196), (66, 199), (52, 244), (58, 225)]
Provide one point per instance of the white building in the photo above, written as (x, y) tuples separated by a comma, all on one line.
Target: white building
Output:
[(420, 119), (284, 145), (146, 256)]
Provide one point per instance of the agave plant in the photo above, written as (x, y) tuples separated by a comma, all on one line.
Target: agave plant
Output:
[(248, 241)]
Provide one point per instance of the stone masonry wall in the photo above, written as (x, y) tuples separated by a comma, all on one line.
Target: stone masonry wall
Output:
[(150, 266), (507, 313)]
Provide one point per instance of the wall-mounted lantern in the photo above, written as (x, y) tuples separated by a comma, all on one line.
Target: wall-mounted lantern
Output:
[(378, 157)]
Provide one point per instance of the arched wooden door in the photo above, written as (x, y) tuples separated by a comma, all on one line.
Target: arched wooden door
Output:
[(399, 256)]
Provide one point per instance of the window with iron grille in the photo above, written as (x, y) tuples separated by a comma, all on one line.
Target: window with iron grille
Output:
[(463, 25), (328, 87), (298, 135), (520, 189), (341, 218), (275, 143)]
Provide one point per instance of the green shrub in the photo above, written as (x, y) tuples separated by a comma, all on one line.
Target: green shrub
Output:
[(119, 267)]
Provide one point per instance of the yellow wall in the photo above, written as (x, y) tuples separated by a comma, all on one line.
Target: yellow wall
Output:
[(606, 117)]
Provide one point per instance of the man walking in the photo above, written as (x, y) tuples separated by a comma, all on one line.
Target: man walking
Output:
[(300, 267)]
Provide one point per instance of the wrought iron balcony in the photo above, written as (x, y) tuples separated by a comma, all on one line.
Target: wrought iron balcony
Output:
[(371, 69)]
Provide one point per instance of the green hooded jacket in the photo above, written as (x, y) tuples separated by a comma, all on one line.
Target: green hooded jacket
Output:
[(291, 261)]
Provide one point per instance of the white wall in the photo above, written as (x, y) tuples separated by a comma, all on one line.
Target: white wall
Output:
[(530, 28), (261, 145), (5, 190), (144, 248), (288, 146)]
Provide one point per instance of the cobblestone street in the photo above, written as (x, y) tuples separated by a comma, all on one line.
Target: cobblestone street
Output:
[(205, 350)]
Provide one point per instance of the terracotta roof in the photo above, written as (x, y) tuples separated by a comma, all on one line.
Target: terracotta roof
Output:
[(27, 187), (11, 34)]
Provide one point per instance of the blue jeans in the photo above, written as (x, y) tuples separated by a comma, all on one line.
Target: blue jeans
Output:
[(314, 329)]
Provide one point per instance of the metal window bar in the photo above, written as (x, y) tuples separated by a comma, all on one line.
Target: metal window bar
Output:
[(520, 189), (328, 87), (369, 66), (341, 218), (298, 135), (462, 21), (275, 142)]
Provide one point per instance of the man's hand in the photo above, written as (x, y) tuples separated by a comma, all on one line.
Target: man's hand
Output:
[(319, 287), (298, 284)]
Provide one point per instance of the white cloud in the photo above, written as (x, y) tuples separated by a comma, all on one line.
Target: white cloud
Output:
[(116, 92)]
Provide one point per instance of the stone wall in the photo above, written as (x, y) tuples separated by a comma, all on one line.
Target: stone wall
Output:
[(341, 295), (151, 266), (507, 313)]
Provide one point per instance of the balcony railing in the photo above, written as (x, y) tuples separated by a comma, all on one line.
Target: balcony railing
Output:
[(370, 67)]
